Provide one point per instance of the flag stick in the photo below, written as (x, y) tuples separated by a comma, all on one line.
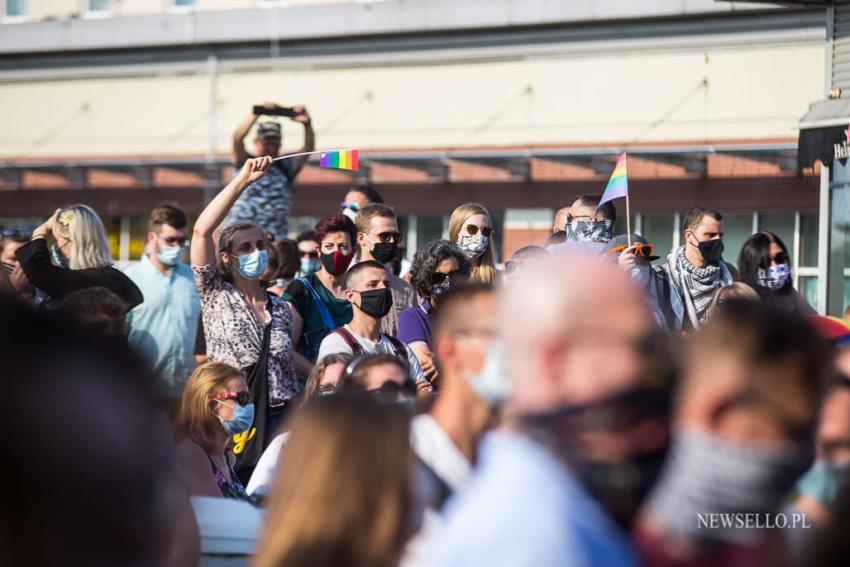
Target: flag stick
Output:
[(628, 222), (309, 153)]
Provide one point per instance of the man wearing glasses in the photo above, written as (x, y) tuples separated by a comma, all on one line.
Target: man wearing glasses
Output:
[(163, 327), (635, 257), (378, 239)]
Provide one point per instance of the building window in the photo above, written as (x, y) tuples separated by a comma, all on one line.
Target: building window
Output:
[(182, 3), (98, 7), (15, 9)]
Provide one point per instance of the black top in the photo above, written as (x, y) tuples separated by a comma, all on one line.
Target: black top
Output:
[(58, 282)]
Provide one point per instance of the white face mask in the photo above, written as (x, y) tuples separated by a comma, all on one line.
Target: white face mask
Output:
[(775, 277)]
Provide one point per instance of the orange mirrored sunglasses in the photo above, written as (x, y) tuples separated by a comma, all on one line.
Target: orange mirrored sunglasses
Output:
[(640, 249)]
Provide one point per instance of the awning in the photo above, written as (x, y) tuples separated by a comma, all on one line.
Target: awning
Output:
[(824, 133)]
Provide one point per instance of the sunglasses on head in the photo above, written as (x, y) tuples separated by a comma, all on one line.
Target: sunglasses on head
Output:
[(473, 230), (641, 250), (242, 398), (438, 278)]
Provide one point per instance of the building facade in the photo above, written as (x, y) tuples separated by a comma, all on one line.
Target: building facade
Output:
[(519, 105)]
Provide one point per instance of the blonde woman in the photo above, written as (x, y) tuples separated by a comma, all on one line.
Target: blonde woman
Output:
[(736, 290), (471, 228), (80, 254), (216, 406), (344, 492)]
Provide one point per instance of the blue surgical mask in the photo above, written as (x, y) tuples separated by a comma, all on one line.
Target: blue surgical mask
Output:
[(310, 266), (243, 418), (169, 255), (492, 383), (252, 266), (824, 481), (57, 256)]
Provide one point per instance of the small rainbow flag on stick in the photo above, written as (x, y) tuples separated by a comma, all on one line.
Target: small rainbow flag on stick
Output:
[(618, 186), (341, 159), (332, 159)]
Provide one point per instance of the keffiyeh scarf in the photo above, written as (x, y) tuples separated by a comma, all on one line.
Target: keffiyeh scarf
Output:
[(696, 286)]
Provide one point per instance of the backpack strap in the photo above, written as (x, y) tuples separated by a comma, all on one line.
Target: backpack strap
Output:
[(324, 312), (398, 347), (350, 340)]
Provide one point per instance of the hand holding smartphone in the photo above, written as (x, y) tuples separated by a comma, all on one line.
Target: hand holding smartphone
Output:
[(276, 111)]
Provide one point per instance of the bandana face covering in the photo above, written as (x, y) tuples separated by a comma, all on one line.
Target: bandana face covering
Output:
[(593, 231), (775, 277), (474, 245)]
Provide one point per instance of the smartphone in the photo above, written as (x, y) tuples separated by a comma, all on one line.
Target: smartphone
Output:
[(283, 111)]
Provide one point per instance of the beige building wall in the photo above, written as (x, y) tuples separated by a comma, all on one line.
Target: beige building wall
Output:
[(38, 10), (638, 97)]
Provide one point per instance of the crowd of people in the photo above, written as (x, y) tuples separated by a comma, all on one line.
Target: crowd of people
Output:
[(577, 404)]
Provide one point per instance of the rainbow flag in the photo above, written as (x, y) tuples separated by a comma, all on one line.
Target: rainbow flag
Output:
[(341, 159), (618, 185)]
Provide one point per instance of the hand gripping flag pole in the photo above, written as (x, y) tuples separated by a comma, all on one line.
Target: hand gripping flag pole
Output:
[(332, 159), (618, 186)]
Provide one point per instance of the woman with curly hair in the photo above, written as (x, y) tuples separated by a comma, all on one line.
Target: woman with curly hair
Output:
[(436, 267)]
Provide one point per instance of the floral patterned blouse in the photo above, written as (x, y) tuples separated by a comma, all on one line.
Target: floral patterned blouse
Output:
[(234, 334)]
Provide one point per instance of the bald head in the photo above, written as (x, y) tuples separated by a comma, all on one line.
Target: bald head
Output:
[(560, 220), (571, 330)]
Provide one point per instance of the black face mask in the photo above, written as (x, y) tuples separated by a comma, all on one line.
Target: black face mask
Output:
[(376, 302), (384, 252), (619, 486), (711, 250)]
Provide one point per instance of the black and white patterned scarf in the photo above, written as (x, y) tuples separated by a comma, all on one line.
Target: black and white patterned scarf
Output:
[(696, 286), (584, 231)]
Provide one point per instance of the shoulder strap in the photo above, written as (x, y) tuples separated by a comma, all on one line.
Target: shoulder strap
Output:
[(350, 340), (324, 313), (398, 347)]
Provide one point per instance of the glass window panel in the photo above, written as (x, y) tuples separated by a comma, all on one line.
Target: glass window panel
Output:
[(737, 228), (99, 5), (184, 2), (809, 290), (428, 228), (782, 225), (808, 239), (16, 7), (658, 229)]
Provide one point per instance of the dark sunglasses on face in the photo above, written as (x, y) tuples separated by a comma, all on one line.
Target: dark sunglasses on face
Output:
[(387, 237), (473, 230), (353, 206), (312, 255), (571, 218), (438, 278), (781, 258), (242, 398), (14, 232), (175, 240)]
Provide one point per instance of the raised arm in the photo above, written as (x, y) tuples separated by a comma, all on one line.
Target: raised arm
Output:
[(302, 116), (202, 251), (239, 153)]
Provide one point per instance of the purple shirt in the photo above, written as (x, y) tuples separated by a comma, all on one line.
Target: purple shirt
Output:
[(414, 324)]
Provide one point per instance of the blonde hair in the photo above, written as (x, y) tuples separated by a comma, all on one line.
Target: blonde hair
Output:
[(81, 225), (343, 493), (197, 420), (319, 368), (484, 268), (736, 290)]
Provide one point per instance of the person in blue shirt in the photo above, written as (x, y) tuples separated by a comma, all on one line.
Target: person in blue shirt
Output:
[(163, 327)]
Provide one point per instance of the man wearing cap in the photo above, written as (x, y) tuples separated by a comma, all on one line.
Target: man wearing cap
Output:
[(267, 201), (635, 256)]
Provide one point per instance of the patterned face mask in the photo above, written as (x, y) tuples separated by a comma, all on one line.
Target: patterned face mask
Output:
[(775, 277), (474, 245), (592, 231)]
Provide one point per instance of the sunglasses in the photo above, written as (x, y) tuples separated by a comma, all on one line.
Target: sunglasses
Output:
[(640, 250), (242, 398), (387, 237), (312, 255), (180, 241), (353, 206), (472, 230), (781, 258), (14, 232), (439, 278), (571, 218)]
